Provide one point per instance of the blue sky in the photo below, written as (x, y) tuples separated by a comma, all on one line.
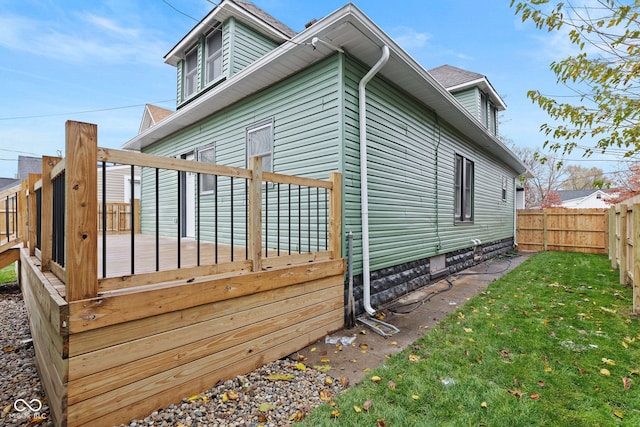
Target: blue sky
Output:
[(101, 61)]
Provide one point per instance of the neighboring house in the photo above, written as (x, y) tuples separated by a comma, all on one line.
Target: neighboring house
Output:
[(440, 188), (153, 115), (26, 165), (584, 199), (118, 183)]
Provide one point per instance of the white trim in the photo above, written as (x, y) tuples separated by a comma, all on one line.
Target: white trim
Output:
[(219, 14)]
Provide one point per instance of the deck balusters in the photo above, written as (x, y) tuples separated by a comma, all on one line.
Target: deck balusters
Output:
[(198, 219), (232, 251), (39, 219), (179, 221), (157, 219), (132, 220), (266, 220), (104, 219), (58, 234)]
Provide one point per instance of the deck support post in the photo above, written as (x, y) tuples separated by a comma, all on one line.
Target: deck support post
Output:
[(33, 217), (255, 213), (335, 216), (81, 210), (23, 230), (46, 216)]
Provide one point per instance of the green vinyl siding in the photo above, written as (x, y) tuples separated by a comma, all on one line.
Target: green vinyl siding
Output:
[(304, 112), (247, 45), (470, 99), (411, 156)]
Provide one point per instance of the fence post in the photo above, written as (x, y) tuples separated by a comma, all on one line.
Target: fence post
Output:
[(81, 210), (46, 216), (255, 213), (622, 250), (335, 215), (612, 236), (636, 258), (544, 230)]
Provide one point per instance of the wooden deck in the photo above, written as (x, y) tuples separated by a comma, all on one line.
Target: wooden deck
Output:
[(114, 345), (119, 255)]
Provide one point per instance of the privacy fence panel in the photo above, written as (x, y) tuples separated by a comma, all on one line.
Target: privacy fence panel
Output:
[(568, 230)]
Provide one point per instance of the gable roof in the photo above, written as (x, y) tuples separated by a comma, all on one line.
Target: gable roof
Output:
[(358, 36), (244, 11), (456, 79), (152, 115), (566, 195)]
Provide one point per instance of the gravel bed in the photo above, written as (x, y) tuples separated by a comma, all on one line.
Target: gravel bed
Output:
[(277, 394), (19, 377)]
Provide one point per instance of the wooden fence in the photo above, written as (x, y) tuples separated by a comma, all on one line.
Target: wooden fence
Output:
[(624, 245), (570, 230), (119, 217)]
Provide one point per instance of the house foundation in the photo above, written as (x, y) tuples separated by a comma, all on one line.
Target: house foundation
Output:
[(390, 283)]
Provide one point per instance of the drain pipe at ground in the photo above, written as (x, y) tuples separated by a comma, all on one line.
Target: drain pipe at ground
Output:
[(364, 189)]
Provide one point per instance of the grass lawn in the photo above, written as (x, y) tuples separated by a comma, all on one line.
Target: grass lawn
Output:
[(8, 274), (552, 343)]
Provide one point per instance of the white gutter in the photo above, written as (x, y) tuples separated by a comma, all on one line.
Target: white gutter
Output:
[(364, 188)]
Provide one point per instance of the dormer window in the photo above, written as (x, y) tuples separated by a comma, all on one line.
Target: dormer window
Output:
[(191, 72), (213, 52)]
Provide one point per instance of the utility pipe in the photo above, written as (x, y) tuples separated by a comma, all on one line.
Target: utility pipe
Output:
[(364, 188)]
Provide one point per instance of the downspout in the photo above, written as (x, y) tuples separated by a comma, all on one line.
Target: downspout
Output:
[(364, 189), (515, 212)]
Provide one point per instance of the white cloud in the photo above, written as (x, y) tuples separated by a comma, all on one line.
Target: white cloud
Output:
[(89, 38), (410, 39)]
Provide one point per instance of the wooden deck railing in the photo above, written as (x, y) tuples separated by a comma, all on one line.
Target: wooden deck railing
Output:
[(64, 206), (13, 222)]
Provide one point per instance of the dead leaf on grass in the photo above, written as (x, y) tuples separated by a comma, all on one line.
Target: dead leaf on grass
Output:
[(367, 405), (626, 382), (381, 423), (414, 358), (605, 372), (534, 396), (391, 385), (516, 393)]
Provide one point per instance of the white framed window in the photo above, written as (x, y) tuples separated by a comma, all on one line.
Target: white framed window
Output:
[(207, 154), (260, 144), (213, 55), (464, 171), (504, 188), (483, 109), (191, 72), (127, 188)]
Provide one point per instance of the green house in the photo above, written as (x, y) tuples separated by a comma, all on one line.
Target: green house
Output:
[(340, 96)]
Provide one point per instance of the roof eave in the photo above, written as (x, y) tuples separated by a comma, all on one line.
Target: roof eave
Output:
[(408, 74), (219, 14)]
